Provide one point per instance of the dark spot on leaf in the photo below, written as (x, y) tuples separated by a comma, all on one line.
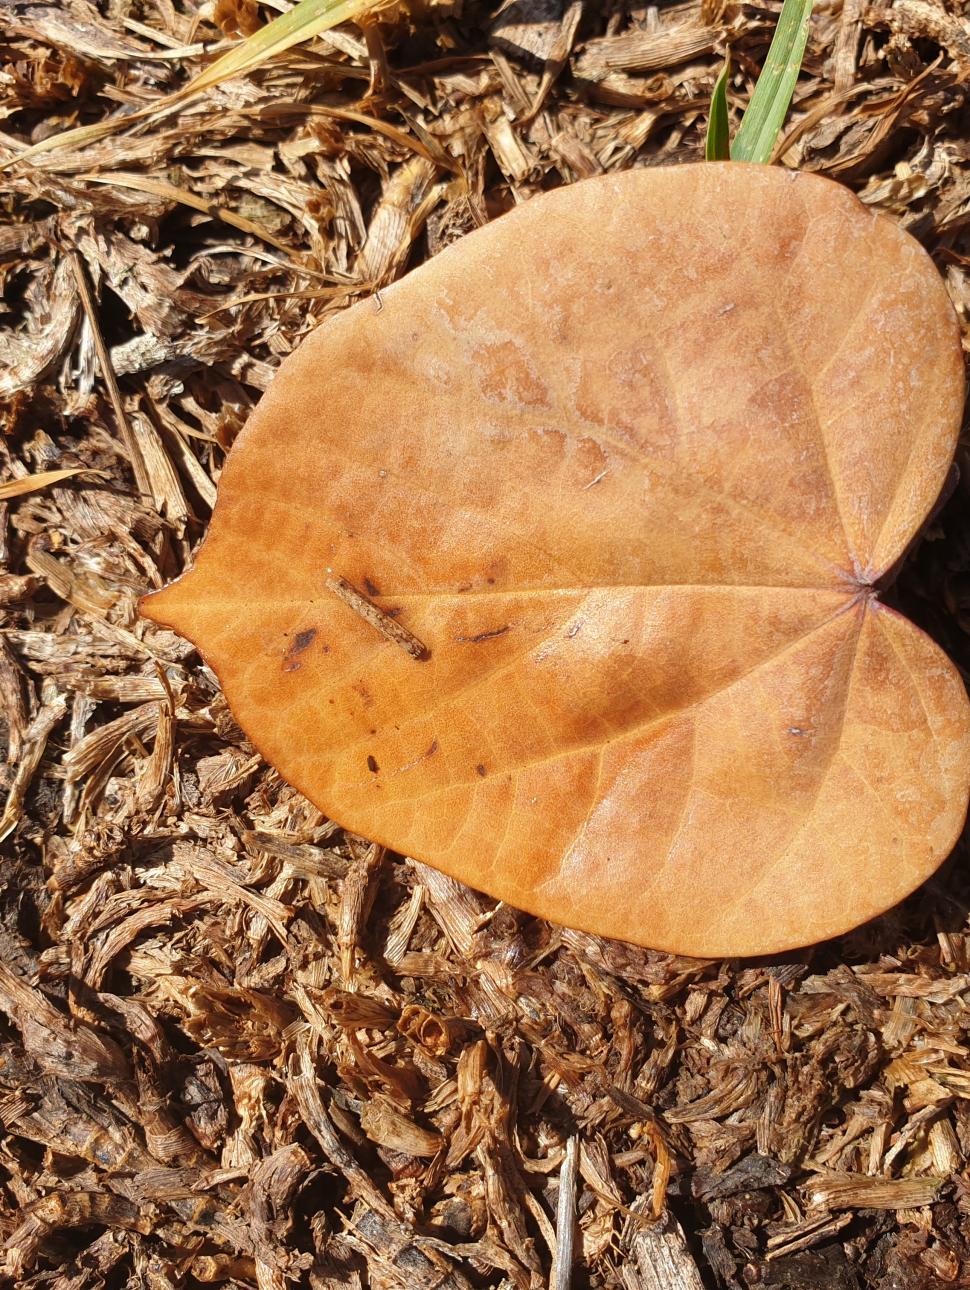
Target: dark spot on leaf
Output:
[(372, 765), (481, 770), (432, 748), (301, 641), (484, 636), (370, 587)]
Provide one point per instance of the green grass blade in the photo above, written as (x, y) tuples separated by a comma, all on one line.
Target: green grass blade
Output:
[(762, 122), (718, 144)]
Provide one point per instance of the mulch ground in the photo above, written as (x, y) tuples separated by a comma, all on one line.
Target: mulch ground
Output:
[(237, 1045)]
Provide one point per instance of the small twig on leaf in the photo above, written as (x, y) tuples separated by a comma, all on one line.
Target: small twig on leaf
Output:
[(378, 619)]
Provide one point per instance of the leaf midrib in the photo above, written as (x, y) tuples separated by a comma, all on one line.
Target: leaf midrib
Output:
[(629, 732)]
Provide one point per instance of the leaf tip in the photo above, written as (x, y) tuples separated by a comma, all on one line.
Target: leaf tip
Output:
[(164, 607)]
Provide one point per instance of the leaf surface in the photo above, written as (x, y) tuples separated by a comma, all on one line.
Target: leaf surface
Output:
[(629, 463)]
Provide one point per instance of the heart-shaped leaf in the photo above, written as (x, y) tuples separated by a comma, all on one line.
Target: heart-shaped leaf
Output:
[(625, 468)]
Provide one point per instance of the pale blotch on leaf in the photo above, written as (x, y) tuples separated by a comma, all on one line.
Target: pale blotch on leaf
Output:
[(629, 463)]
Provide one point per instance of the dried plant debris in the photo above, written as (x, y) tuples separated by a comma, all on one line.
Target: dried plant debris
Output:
[(237, 1046)]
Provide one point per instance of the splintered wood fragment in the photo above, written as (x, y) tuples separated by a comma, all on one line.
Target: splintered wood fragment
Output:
[(355, 902), (661, 1259), (59, 1210), (388, 627), (33, 747), (845, 55), (378, 1228), (304, 1085), (392, 1129), (274, 1182), (14, 701), (661, 1171), (61, 1046), (82, 709), (566, 1217), (804, 1235), (558, 57), (839, 1190), (353, 1011)]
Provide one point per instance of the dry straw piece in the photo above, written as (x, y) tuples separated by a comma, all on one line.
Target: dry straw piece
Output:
[(637, 505)]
